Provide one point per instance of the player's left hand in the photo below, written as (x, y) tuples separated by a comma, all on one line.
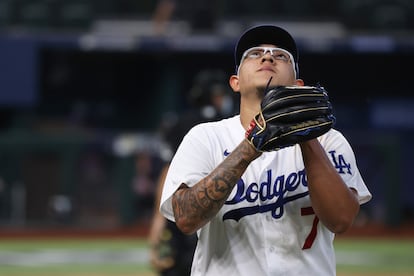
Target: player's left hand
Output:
[(290, 115), (161, 253)]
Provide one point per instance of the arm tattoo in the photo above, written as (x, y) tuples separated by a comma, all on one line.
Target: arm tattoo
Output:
[(198, 204)]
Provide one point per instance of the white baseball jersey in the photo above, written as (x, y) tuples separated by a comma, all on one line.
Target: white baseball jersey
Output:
[(267, 225)]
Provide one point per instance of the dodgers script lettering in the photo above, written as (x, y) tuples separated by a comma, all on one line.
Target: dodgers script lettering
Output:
[(266, 191)]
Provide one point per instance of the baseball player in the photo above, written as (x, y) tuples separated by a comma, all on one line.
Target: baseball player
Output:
[(266, 190)]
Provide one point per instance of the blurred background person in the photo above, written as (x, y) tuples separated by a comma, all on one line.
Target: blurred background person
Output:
[(209, 99)]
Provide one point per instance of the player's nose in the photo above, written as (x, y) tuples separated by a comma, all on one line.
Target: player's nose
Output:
[(267, 57)]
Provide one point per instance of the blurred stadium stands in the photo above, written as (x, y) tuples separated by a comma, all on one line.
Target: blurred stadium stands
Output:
[(79, 14), (83, 82)]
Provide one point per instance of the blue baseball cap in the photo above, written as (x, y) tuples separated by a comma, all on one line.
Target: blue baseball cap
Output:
[(266, 34)]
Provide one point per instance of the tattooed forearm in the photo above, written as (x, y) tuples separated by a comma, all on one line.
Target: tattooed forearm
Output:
[(195, 206)]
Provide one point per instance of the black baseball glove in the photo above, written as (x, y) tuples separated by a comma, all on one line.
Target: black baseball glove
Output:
[(290, 115)]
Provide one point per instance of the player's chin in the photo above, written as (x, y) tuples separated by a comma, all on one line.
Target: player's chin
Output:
[(268, 80), (278, 80)]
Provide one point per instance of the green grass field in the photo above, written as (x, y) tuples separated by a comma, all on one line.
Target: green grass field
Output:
[(127, 257), (375, 256)]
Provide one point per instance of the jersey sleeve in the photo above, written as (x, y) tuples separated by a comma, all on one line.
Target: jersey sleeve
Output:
[(189, 165), (343, 158)]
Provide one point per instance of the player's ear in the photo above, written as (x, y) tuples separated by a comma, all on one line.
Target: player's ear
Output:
[(234, 83), (300, 82)]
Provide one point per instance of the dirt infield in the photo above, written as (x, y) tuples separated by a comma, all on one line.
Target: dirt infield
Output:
[(376, 230), (138, 231)]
